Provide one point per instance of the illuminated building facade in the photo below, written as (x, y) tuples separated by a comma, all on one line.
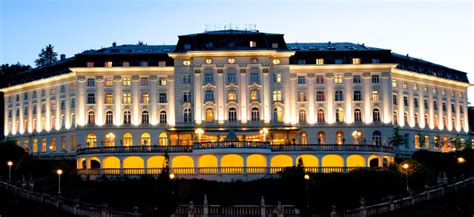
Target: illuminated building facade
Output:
[(236, 102)]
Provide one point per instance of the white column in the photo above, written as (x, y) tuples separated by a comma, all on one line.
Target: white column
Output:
[(58, 110), (348, 97), (311, 99), (48, 109), (287, 118), (99, 119), (458, 111), (22, 128), (293, 100), (465, 113), (243, 95), (329, 80), (421, 106), (266, 96), (450, 111), (171, 114), (154, 100), (387, 98), (118, 100), (431, 108), (135, 100), (5, 107), (440, 109), (411, 107), (81, 103), (401, 104), (220, 96), (197, 97), (38, 112), (30, 112), (14, 130), (367, 90)]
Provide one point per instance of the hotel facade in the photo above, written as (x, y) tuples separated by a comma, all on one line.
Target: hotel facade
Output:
[(236, 103)]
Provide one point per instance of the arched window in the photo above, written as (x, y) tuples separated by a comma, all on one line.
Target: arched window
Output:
[(357, 115), (303, 138), (209, 115), (453, 124), (63, 122), (302, 116), (339, 115), (445, 122), (163, 139), (91, 140), (427, 120), (255, 114), (73, 120), (436, 121), (417, 119), (127, 139), (109, 117), (377, 138), (321, 137), (145, 117), (91, 118), (127, 117), (163, 117), (376, 115), (109, 140), (232, 114), (340, 138), (43, 123), (145, 139), (53, 123), (395, 117), (188, 117), (321, 115), (277, 115), (34, 125), (405, 118)]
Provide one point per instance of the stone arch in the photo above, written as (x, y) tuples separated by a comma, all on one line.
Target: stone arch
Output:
[(111, 163), (309, 160), (256, 160), (374, 161), (281, 161), (133, 162), (182, 162), (332, 160), (207, 161), (156, 162), (94, 163), (232, 160), (356, 160)]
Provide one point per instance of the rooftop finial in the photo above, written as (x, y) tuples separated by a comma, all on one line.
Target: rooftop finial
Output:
[(230, 26)]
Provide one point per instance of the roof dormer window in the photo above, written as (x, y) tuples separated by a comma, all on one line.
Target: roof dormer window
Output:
[(253, 44), (275, 45), (209, 45), (187, 46)]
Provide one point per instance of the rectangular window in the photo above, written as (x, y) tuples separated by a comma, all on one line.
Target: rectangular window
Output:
[(356, 79), (125, 64), (109, 82), (208, 78), (90, 82), (162, 82), (404, 85), (394, 83), (35, 145), (375, 96), (320, 96), (253, 44), (53, 144), (109, 98), (186, 79), (127, 81), (63, 104), (209, 96), (435, 105), (144, 82), (319, 79), (145, 98), (162, 63), (187, 96), (338, 79), (254, 95), (375, 79), (338, 96), (277, 96), (254, 77), (90, 98), (162, 98), (301, 96), (73, 102), (415, 87), (453, 108), (275, 45), (320, 61), (357, 95), (127, 98), (277, 78), (90, 64), (405, 101), (426, 104), (231, 96), (355, 60), (444, 107), (108, 64), (44, 145), (231, 78), (395, 99), (301, 80), (338, 61), (375, 61), (415, 102)]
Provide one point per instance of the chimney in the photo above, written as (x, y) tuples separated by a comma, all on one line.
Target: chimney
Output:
[(114, 44), (63, 57)]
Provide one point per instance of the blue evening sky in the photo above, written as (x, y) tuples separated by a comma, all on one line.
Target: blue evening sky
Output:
[(437, 31)]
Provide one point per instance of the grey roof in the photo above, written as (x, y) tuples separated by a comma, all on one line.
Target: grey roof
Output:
[(133, 49), (330, 46), (230, 32)]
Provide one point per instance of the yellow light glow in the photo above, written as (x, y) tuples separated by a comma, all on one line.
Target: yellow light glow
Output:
[(59, 172), (461, 160), (405, 166), (9, 163), (306, 176), (281, 161), (172, 176), (332, 160), (356, 161), (133, 162)]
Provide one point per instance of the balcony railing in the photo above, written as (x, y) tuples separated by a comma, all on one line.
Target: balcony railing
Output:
[(238, 145)]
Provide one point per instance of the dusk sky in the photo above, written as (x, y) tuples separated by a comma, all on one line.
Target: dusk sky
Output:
[(437, 31)]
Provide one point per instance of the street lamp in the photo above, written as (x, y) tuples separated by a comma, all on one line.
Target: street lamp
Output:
[(405, 166), (172, 176), (357, 134), (461, 160), (10, 164), (306, 177), (199, 132), (59, 172)]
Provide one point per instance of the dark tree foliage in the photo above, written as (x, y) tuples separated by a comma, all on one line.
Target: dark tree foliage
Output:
[(12, 69), (46, 56), (9, 151)]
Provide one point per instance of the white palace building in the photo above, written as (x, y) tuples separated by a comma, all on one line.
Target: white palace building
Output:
[(238, 103)]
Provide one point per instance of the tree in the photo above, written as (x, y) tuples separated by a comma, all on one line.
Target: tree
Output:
[(47, 56), (8, 69)]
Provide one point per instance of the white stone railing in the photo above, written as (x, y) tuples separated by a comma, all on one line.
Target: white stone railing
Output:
[(409, 200)]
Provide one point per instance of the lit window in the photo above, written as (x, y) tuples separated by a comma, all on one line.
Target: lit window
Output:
[(253, 44), (109, 82), (277, 78), (127, 81), (443, 92), (209, 115), (302, 116), (355, 60), (127, 98), (231, 96), (254, 95), (277, 96), (415, 87), (319, 61), (404, 85), (375, 96), (109, 98), (321, 116), (338, 79), (109, 140), (127, 139), (186, 62), (91, 140), (275, 45), (301, 96), (277, 114), (108, 64), (339, 115), (162, 82), (90, 64), (145, 98), (125, 64), (394, 83)]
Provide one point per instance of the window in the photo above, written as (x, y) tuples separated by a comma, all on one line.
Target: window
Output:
[(277, 78), (127, 139), (209, 115), (254, 77), (127, 117), (415, 87), (127, 98), (301, 96), (145, 139), (394, 83), (376, 115), (443, 92), (163, 139), (415, 102), (339, 115), (90, 64), (434, 90), (417, 118), (375, 96), (319, 61), (375, 79), (127, 81), (90, 98), (231, 78), (275, 45), (321, 116), (444, 106), (435, 105), (302, 116), (108, 63), (91, 118), (91, 140), (453, 107), (109, 82), (231, 96), (62, 90), (208, 78), (163, 117), (162, 63), (375, 61), (187, 96), (356, 79), (425, 88), (377, 137), (253, 44), (357, 95), (404, 85), (338, 79), (145, 98), (321, 137), (109, 98), (357, 115), (162, 98), (277, 114), (232, 115), (255, 114), (125, 64), (339, 96), (427, 120), (405, 101), (209, 96), (186, 79), (339, 138), (162, 82), (320, 96), (338, 61), (319, 79), (144, 82), (187, 115), (395, 117), (109, 140), (146, 117), (254, 95), (62, 105), (90, 82), (355, 60), (395, 99), (426, 104), (405, 117), (143, 63), (301, 80), (109, 117)]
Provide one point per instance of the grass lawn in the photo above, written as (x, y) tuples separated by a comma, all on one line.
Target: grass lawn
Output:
[(459, 204)]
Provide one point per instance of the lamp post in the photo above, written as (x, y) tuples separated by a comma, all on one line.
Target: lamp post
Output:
[(172, 177), (461, 161), (306, 177), (406, 166), (357, 134), (59, 172), (264, 133), (10, 164), (199, 132)]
